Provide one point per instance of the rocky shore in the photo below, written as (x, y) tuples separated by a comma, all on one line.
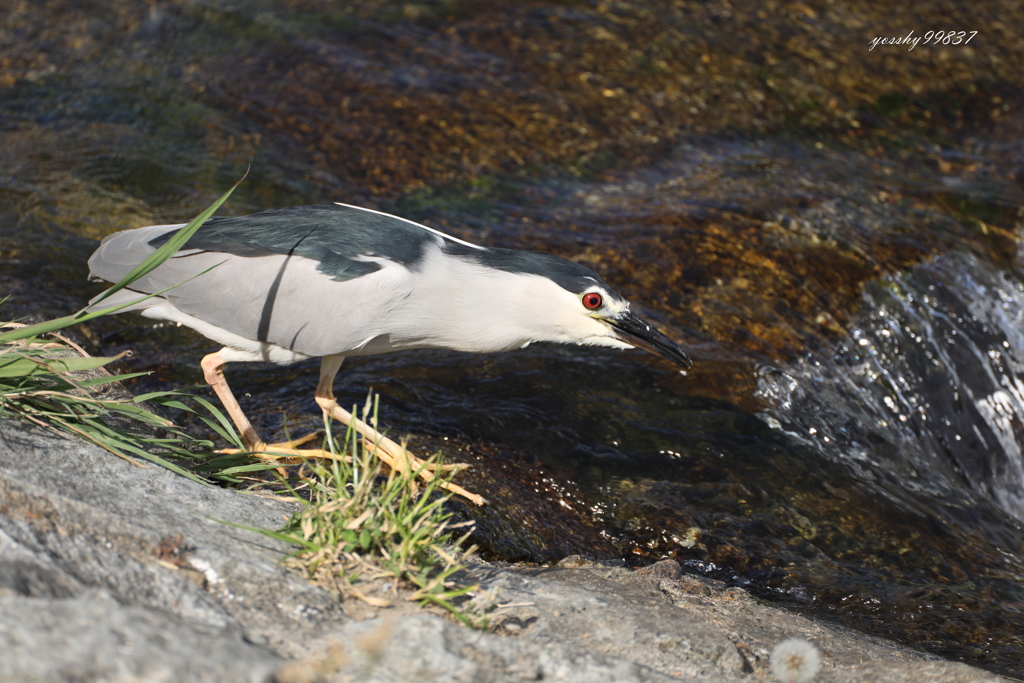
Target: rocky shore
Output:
[(114, 571)]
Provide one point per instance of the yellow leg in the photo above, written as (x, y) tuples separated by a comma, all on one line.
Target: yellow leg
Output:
[(213, 371), (394, 455)]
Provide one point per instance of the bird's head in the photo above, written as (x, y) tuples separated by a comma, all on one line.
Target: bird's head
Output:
[(618, 326), (562, 301)]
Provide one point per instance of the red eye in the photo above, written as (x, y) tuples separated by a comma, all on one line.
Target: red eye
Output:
[(592, 300)]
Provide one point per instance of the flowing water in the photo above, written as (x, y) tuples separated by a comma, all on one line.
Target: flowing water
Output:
[(925, 392), (849, 441)]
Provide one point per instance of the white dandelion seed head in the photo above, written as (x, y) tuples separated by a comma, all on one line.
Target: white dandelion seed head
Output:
[(795, 661)]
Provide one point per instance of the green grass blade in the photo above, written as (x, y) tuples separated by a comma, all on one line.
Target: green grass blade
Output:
[(121, 443), (255, 467), (21, 366), (227, 428), (100, 381), (172, 403), (219, 422), (287, 538), (170, 247)]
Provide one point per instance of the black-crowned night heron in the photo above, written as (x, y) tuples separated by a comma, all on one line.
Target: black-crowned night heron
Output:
[(335, 281)]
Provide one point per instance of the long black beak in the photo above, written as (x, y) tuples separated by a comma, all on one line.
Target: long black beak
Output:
[(641, 334)]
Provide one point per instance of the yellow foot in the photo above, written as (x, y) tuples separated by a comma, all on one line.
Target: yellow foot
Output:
[(285, 452), (399, 459), (394, 455)]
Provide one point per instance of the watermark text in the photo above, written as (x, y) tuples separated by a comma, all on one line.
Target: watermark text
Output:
[(931, 37)]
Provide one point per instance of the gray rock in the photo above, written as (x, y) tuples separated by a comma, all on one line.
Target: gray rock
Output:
[(113, 571), (691, 628), (92, 637), (428, 648)]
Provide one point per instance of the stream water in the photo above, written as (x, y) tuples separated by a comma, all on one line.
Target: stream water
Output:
[(849, 440)]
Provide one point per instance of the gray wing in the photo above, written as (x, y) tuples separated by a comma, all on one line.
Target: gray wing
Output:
[(278, 299)]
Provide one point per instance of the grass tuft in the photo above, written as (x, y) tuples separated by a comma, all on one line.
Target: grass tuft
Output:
[(357, 527), (52, 382)]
